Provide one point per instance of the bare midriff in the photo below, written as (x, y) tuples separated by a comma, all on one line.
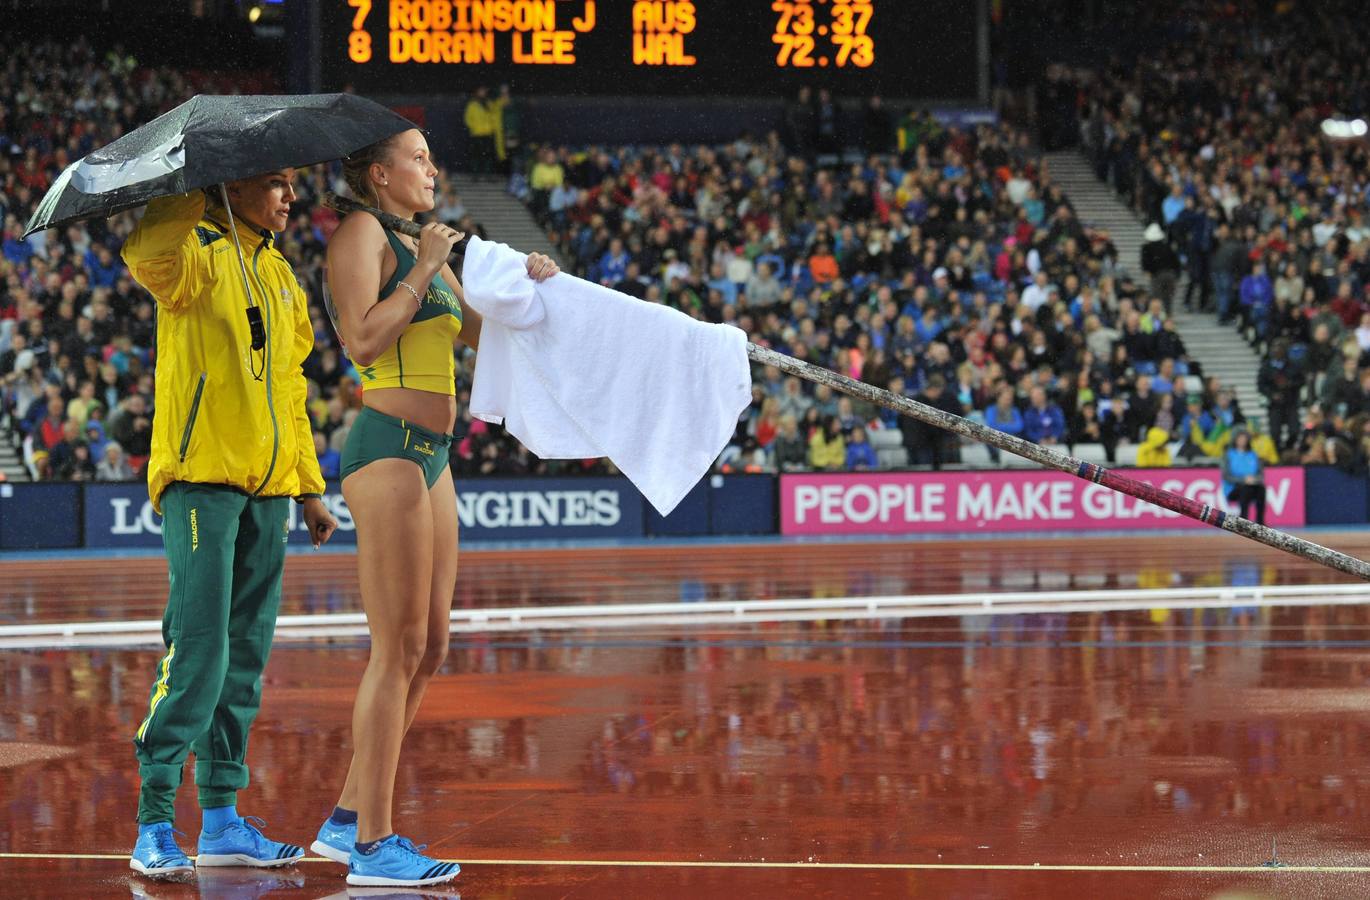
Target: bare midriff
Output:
[(436, 412)]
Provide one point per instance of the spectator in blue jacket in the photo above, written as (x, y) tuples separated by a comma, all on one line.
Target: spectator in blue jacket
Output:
[(330, 460), (613, 265), (1244, 476), (860, 453), (1257, 296), (1173, 205), (1043, 423), (103, 266), (15, 248), (1004, 415), (1195, 414)]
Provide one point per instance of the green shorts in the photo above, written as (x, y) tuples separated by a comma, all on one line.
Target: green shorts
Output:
[(376, 436)]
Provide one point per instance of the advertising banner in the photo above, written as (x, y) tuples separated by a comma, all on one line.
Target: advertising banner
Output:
[(1008, 501), (518, 509), (121, 515), (40, 516)]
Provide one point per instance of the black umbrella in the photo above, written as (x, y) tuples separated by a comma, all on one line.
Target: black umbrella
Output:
[(210, 140)]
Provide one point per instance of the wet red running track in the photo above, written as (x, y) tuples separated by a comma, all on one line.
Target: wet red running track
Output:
[(1151, 753)]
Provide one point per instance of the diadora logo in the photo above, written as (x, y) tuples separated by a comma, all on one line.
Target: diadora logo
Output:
[(424, 447), (285, 532), (194, 529)]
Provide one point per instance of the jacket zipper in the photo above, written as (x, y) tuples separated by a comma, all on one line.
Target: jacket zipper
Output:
[(275, 427), (194, 412)]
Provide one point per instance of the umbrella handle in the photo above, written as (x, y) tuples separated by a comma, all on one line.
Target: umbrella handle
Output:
[(388, 220)]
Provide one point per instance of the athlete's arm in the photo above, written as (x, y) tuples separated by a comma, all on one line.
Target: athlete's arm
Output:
[(369, 326)]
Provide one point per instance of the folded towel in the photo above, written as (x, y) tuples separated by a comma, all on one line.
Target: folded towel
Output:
[(575, 370)]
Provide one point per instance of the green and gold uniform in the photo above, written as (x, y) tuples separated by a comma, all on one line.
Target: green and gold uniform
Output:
[(231, 443), (422, 359)]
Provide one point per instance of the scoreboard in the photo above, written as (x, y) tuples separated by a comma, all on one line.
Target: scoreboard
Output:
[(897, 48)]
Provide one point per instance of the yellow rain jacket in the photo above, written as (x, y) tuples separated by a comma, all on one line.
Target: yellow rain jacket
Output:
[(1214, 443), (214, 422), (1154, 454), (825, 453), (482, 118), (1264, 445)]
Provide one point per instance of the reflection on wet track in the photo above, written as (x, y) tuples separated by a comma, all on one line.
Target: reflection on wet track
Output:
[(1128, 740)]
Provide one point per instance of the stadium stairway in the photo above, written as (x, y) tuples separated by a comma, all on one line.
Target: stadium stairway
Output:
[(1220, 350), (11, 463), (504, 218)]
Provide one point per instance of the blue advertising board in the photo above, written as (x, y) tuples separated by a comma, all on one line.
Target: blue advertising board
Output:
[(517, 509), (690, 517), (720, 504), (1335, 497), (121, 516), (743, 504), (40, 516)]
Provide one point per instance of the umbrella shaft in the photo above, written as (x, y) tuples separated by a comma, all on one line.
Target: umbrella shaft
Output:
[(254, 313)]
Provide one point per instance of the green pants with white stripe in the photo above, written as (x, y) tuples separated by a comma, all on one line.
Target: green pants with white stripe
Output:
[(226, 553)]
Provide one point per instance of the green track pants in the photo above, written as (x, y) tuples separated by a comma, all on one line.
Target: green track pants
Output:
[(226, 553)]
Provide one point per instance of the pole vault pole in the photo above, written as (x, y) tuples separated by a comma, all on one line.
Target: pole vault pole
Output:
[(1043, 456)]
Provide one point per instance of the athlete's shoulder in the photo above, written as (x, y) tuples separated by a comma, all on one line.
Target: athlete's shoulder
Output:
[(358, 230)]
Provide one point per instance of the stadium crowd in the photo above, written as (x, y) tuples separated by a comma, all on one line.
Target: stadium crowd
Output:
[(938, 261), (1235, 137), (77, 334)]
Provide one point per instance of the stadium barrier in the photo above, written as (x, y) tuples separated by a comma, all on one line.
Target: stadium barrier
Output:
[(66, 516)]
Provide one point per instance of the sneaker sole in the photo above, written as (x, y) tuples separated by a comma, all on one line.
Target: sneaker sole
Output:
[(432, 894), (242, 859), (163, 872), (377, 881), (331, 853)]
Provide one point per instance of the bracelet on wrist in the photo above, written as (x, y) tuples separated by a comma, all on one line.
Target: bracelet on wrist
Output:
[(410, 288)]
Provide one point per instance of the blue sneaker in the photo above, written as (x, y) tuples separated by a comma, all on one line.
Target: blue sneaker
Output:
[(156, 854), (240, 843), (392, 893), (335, 841), (396, 862)]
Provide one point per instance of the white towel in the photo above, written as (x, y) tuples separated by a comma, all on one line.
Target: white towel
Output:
[(575, 370)]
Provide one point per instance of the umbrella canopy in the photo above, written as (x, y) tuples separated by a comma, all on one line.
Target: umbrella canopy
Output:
[(213, 139)]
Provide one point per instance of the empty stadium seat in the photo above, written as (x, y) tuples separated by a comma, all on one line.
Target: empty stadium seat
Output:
[(1090, 453), (893, 457), (976, 455)]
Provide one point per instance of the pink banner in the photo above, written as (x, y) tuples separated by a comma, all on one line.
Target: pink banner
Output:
[(1009, 501)]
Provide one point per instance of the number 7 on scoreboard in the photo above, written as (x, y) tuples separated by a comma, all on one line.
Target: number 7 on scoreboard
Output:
[(363, 8)]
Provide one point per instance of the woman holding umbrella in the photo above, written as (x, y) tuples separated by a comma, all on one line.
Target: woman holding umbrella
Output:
[(399, 311), (231, 444), (231, 435)]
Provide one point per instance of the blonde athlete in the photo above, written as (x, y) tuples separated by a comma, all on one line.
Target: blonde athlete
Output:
[(231, 444), (399, 310)]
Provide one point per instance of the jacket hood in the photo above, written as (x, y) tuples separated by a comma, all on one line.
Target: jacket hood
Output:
[(1156, 437)]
